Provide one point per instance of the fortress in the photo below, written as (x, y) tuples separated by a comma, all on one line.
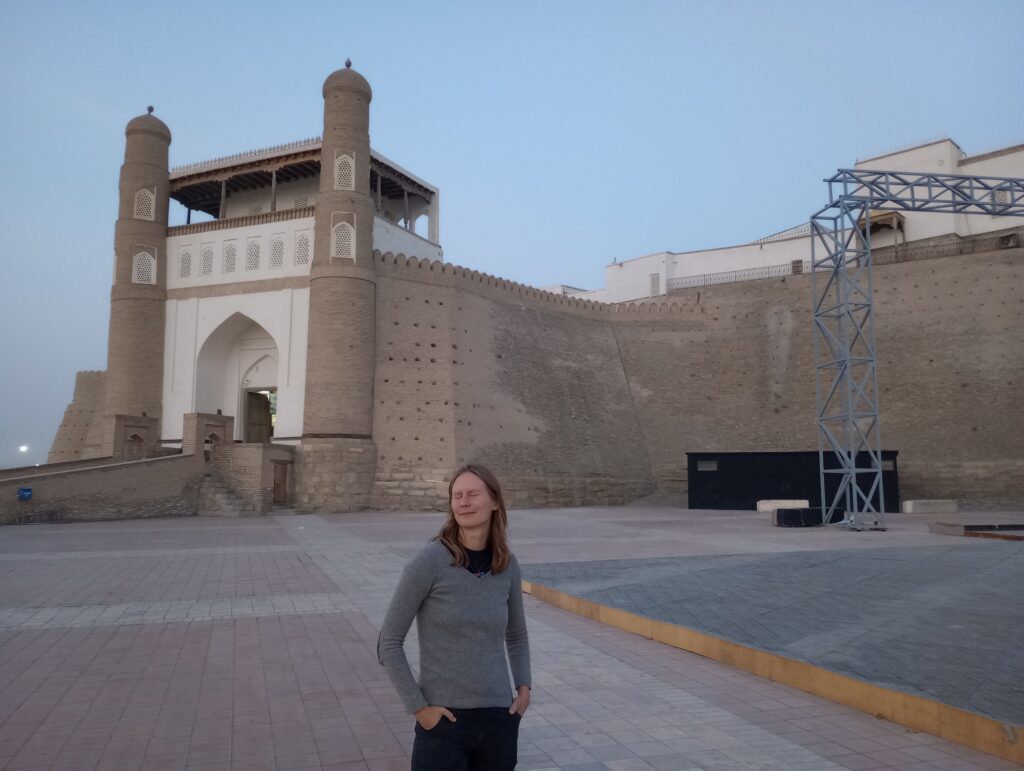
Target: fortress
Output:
[(307, 347)]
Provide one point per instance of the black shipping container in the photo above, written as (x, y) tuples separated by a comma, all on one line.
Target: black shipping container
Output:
[(738, 480)]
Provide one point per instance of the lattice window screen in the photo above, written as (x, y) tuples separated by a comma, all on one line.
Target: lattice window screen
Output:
[(302, 250), (254, 210), (301, 202), (344, 241), (344, 173), (655, 284), (185, 264), (230, 256), (206, 261), (145, 204), (143, 268), (276, 252), (252, 255)]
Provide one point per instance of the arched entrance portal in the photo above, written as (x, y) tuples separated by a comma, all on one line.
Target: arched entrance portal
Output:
[(236, 374)]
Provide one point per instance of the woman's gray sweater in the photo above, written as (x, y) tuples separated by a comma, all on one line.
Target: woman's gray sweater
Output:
[(464, 625)]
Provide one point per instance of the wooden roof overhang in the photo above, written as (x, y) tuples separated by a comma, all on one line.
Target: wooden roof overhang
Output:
[(200, 190), (394, 183)]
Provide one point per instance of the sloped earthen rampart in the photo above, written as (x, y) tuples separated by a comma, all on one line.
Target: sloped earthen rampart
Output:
[(158, 487), (473, 368), (80, 434)]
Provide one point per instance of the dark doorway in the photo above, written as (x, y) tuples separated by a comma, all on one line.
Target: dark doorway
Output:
[(259, 424), (281, 483)]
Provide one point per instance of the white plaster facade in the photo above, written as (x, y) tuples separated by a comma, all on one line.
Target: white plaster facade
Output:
[(270, 250), (261, 251), (221, 339), (218, 347), (389, 237), (650, 275)]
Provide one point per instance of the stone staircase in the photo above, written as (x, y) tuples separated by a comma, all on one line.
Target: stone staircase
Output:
[(218, 499)]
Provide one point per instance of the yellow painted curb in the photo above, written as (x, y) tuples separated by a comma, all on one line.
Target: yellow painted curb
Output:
[(916, 712)]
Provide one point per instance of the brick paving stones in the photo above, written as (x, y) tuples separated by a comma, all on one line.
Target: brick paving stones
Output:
[(249, 644)]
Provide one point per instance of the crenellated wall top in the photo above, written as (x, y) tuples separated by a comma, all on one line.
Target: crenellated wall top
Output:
[(445, 273)]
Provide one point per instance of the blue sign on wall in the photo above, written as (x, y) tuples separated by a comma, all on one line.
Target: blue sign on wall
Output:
[(24, 493)]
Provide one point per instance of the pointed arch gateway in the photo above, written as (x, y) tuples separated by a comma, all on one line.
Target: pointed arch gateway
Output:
[(237, 375)]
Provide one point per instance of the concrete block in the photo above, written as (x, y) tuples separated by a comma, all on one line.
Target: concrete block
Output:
[(771, 505), (934, 506)]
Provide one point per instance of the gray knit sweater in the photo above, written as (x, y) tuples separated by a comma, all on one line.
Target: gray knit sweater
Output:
[(464, 624)]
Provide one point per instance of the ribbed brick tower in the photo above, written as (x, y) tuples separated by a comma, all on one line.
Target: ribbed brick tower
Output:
[(135, 358), (337, 457)]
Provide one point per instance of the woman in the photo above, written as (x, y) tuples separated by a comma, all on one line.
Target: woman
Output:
[(464, 591)]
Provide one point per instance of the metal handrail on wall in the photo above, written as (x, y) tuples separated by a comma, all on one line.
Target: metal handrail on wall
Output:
[(731, 276)]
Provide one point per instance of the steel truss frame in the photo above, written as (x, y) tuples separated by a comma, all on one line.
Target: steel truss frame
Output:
[(846, 378)]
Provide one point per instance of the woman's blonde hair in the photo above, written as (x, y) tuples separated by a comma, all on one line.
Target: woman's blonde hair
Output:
[(496, 538)]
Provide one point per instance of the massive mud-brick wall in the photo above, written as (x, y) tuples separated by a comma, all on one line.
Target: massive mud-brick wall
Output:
[(729, 369), (575, 402), (951, 369), (733, 371), (474, 368), (414, 407), (80, 433), (543, 396)]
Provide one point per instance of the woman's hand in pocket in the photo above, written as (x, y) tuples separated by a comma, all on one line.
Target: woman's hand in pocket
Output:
[(429, 717), (521, 702)]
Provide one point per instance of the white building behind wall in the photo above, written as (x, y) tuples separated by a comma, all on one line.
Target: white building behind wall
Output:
[(655, 274)]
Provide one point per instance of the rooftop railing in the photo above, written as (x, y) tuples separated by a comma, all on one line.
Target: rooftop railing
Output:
[(794, 268), (241, 222), (249, 155), (793, 232)]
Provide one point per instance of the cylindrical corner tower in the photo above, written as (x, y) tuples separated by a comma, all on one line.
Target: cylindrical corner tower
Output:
[(135, 348), (337, 459)]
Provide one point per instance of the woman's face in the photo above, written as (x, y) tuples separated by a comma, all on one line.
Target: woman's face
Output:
[(471, 502)]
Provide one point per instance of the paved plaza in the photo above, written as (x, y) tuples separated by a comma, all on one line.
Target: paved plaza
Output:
[(943, 620), (233, 644)]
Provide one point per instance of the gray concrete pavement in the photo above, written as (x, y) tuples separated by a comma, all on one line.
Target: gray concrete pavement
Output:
[(942, 622)]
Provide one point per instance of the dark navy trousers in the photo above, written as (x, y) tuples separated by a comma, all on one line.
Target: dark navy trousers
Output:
[(483, 739)]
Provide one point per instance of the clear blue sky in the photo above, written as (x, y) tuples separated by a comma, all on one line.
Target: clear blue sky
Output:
[(561, 134)]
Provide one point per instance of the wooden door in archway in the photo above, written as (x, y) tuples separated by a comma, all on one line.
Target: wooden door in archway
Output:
[(258, 424)]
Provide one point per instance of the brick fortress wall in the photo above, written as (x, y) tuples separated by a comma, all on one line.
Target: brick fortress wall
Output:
[(737, 373), (473, 368), (80, 434), (159, 487), (575, 402)]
